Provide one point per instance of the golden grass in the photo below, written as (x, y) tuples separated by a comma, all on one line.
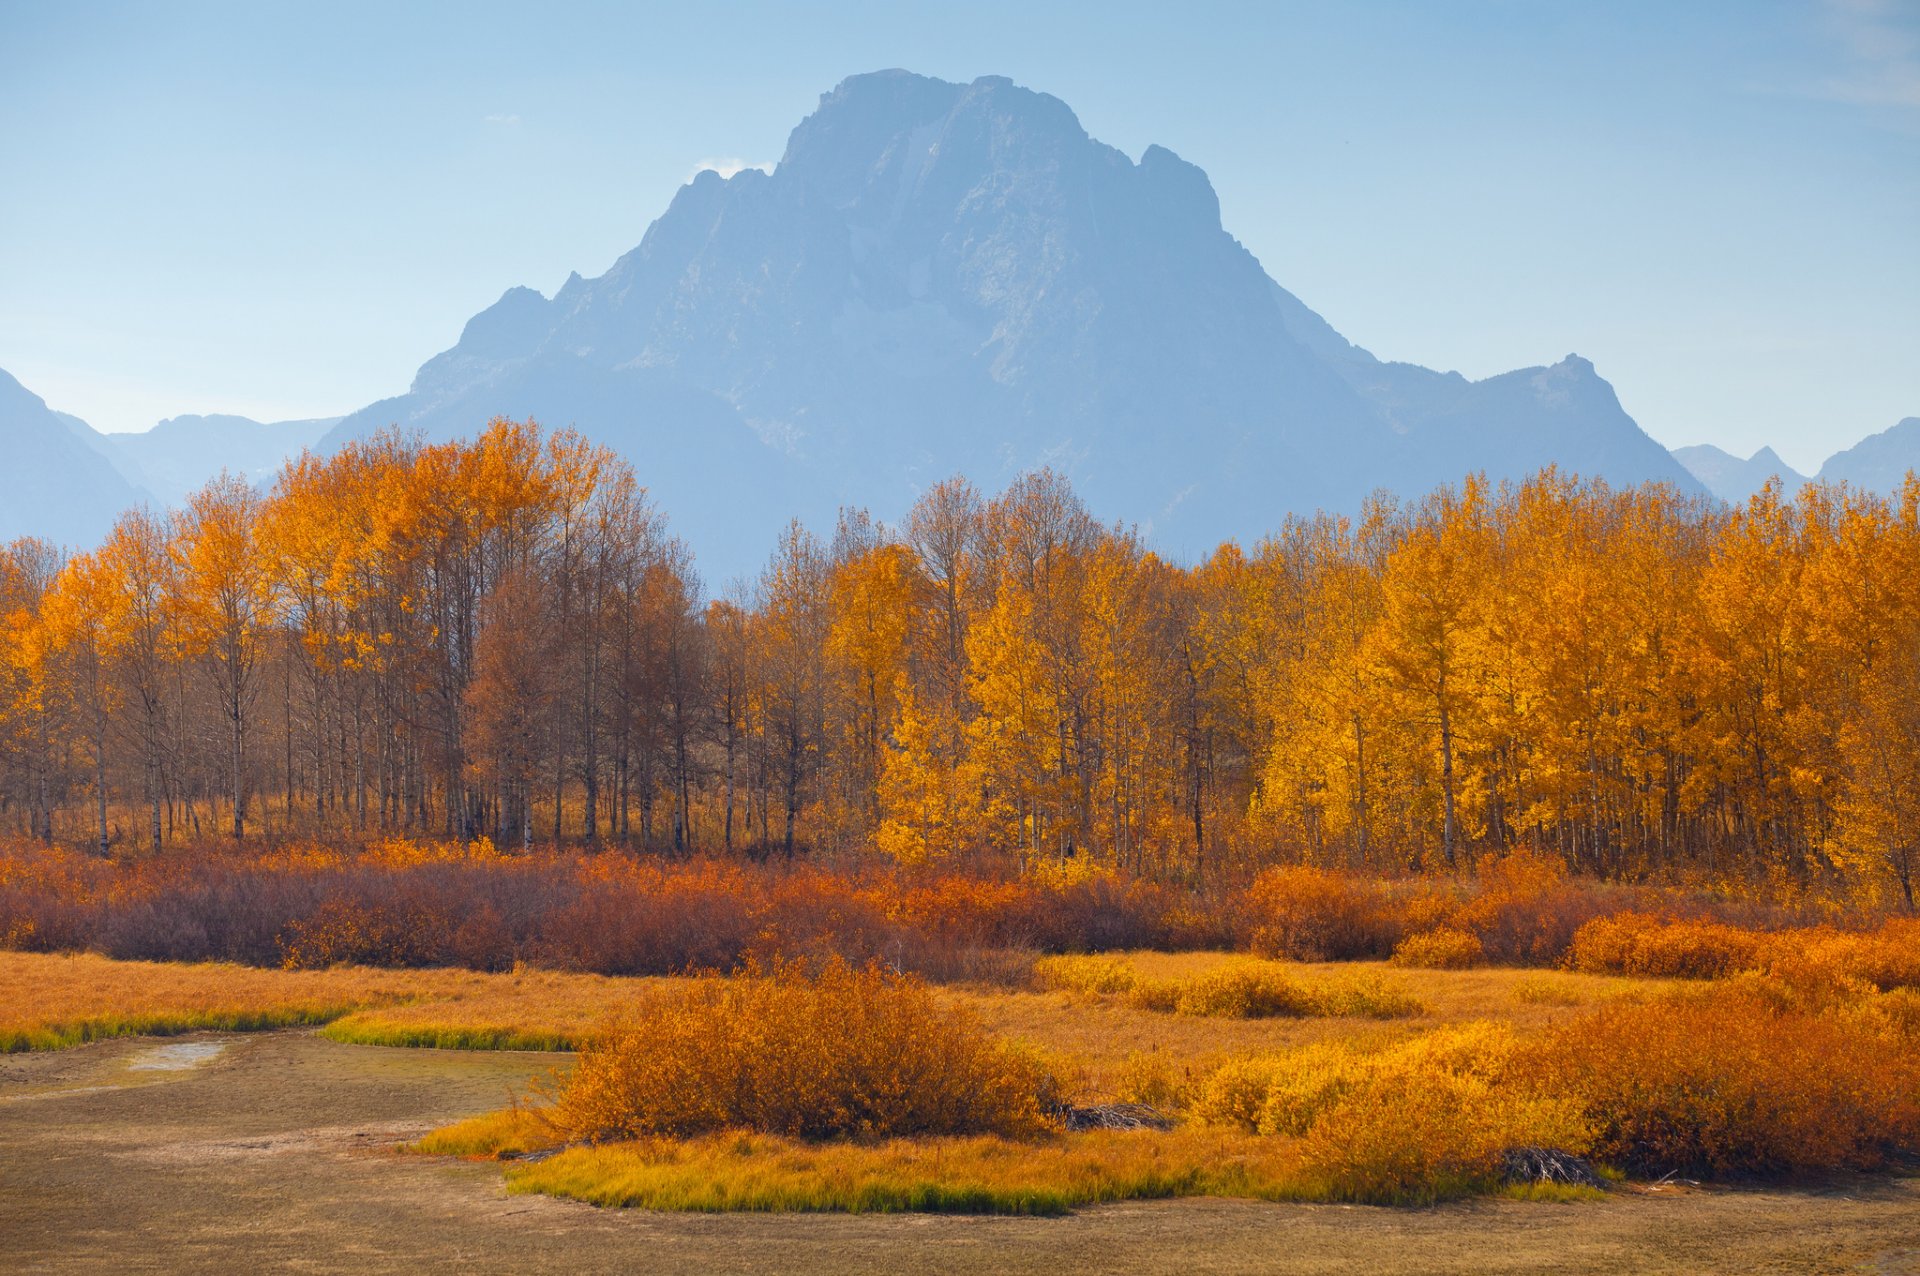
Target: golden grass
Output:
[(1103, 1039), (53, 1002), (980, 1174), (508, 1133), (521, 1010), (1231, 988), (56, 1001)]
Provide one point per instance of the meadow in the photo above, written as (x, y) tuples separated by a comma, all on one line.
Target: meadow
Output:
[(1523, 1034)]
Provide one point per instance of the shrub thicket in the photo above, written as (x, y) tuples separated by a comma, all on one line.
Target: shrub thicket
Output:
[(806, 1052), (1739, 1080)]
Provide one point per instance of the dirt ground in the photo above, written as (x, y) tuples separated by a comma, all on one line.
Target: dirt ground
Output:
[(275, 1151)]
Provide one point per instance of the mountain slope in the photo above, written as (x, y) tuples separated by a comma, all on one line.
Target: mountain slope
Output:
[(943, 278), (178, 456), (1879, 462), (1732, 479), (56, 483)]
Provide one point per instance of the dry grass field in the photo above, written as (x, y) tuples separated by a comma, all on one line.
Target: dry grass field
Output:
[(1284, 1109)]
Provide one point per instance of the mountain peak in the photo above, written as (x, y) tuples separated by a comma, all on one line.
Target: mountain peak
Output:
[(941, 278)]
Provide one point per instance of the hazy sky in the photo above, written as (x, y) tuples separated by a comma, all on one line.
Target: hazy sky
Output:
[(282, 210)]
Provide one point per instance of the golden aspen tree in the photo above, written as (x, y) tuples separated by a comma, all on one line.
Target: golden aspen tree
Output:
[(875, 599), (226, 606), (793, 604), (1429, 635), (29, 697)]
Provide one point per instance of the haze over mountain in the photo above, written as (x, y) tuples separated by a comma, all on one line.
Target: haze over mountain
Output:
[(178, 456), (943, 278), (56, 479), (936, 279), (1732, 479), (65, 482), (1880, 461)]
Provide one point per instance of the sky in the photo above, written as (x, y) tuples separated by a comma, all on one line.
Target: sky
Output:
[(282, 210)]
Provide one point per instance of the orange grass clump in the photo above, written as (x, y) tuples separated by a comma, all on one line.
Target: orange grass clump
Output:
[(807, 1052)]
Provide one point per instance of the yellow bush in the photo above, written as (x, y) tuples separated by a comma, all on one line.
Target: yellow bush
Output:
[(1236, 1092), (1406, 1134), (1421, 1120), (1442, 949), (1236, 989), (804, 1053), (1366, 996), (1149, 1078), (1242, 990), (1095, 974), (1886, 959), (1312, 1080)]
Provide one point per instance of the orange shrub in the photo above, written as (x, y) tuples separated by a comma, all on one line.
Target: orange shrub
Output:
[(1443, 949), (1309, 914), (1732, 1082), (1638, 944), (803, 1052), (1528, 909), (1885, 959)]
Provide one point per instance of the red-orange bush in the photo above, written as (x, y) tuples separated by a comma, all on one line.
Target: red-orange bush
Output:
[(1731, 1082), (1309, 914), (1640, 944), (804, 1052), (1527, 910)]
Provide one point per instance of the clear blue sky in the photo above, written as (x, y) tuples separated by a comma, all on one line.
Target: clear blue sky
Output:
[(283, 209)]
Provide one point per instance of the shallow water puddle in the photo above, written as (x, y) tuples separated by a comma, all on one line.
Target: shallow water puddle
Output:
[(177, 1057)]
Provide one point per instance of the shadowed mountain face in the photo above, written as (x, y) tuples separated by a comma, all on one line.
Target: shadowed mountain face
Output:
[(65, 482), (57, 481), (1732, 479), (943, 278), (1880, 461)]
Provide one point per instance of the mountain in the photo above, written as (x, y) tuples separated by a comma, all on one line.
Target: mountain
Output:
[(57, 482), (1879, 462), (954, 278), (177, 457), (1732, 479)]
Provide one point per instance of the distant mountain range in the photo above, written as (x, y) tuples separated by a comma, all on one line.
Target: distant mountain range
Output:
[(1878, 463), (950, 278), (1732, 479), (64, 481)]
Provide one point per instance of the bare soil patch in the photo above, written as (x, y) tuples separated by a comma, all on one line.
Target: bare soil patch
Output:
[(278, 1152)]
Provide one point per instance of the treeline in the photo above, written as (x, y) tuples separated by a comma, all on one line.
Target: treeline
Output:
[(501, 637)]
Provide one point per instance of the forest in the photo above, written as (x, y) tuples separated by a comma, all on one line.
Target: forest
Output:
[(503, 639)]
